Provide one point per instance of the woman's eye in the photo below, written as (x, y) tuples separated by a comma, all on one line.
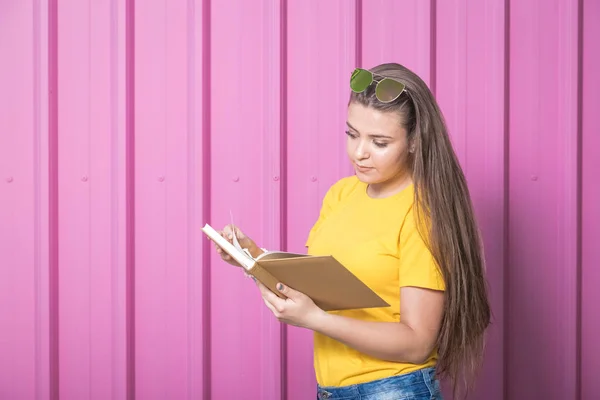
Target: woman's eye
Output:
[(353, 136), (380, 144)]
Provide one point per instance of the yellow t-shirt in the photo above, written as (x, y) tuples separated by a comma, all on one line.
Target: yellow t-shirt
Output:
[(377, 240)]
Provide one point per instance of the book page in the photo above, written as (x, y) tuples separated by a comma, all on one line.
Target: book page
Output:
[(235, 239), (236, 243), (278, 255), (268, 255)]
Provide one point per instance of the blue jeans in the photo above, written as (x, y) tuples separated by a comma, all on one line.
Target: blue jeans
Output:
[(418, 385)]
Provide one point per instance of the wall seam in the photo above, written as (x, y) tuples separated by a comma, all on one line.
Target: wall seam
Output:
[(130, 195), (206, 193), (283, 193), (579, 199), (53, 198), (506, 199)]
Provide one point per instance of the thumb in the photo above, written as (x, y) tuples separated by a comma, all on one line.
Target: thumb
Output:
[(231, 229), (288, 291), (239, 233)]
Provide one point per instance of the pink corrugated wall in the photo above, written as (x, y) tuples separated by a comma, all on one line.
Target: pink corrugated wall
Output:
[(124, 126)]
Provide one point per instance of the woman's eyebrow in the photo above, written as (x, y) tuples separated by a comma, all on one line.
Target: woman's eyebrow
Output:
[(372, 135)]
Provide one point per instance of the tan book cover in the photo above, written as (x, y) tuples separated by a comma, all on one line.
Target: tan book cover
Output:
[(322, 278)]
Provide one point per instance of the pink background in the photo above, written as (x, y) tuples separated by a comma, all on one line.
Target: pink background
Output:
[(124, 127)]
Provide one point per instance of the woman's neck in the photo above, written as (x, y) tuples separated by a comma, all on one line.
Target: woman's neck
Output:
[(389, 187)]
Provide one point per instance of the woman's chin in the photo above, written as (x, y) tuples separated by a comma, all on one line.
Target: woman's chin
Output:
[(367, 178)]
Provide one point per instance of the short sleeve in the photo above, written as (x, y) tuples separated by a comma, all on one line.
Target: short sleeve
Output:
[(330, 200), (417, 264)]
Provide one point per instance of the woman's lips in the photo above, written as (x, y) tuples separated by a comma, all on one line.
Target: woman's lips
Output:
[(362, 168)]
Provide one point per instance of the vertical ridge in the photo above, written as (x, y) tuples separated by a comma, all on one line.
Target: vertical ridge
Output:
[(114, 199), (191, 197), (53, 196), (283, 193), (206, 194), (506, 321), (568, 209), (37, 183), (271, 102), (579, 201), (433, 46), (359, 33), (130, 192)]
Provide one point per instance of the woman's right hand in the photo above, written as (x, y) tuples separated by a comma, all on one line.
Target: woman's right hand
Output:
[(244, 241)]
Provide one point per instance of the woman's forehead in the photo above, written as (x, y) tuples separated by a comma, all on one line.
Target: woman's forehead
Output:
[(367, 120)]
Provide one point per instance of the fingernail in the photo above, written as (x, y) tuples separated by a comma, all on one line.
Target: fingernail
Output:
[(279, 286)]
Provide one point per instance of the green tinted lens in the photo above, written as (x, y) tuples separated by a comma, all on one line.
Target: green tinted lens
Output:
[(388, 90), (360, 80)]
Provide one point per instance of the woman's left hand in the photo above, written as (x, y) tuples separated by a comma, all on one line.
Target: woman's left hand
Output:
[(297, 309)]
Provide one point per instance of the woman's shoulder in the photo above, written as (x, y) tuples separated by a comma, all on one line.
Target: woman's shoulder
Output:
[(343, 187)]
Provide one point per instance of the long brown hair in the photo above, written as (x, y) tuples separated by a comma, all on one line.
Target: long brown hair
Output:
[(443, 206)]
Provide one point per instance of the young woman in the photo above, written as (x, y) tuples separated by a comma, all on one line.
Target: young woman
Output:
[(404, 224)]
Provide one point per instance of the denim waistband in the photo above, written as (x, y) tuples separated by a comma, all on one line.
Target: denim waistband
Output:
[(420, 384)]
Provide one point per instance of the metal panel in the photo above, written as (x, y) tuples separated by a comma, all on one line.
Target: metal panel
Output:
[(589, 168), (171, 298), (471, 90), (124, 127), (401, 31), (245, 180), (542, 226), (321, 54), (25, 352), (91, 202)]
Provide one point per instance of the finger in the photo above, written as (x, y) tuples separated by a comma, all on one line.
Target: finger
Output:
[(272, 308), (264, 291), (274, 303), (289, 292), (238, 233), (220, 251), (228, 232), (271, 297)]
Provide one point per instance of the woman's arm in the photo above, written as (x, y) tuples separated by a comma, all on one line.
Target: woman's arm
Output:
[(410, 340)]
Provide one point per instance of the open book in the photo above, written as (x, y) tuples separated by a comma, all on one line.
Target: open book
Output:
[(322, 278)]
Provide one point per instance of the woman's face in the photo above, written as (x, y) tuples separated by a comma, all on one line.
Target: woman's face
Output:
[(378, 148)]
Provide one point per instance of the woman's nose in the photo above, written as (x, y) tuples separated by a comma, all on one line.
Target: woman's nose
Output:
[(360, 152)]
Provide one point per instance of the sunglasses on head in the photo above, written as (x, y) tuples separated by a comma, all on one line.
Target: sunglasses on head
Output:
[(387, 89)]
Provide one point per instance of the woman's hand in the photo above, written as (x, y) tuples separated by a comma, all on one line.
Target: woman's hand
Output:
[(297, 309), (244, 241)]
